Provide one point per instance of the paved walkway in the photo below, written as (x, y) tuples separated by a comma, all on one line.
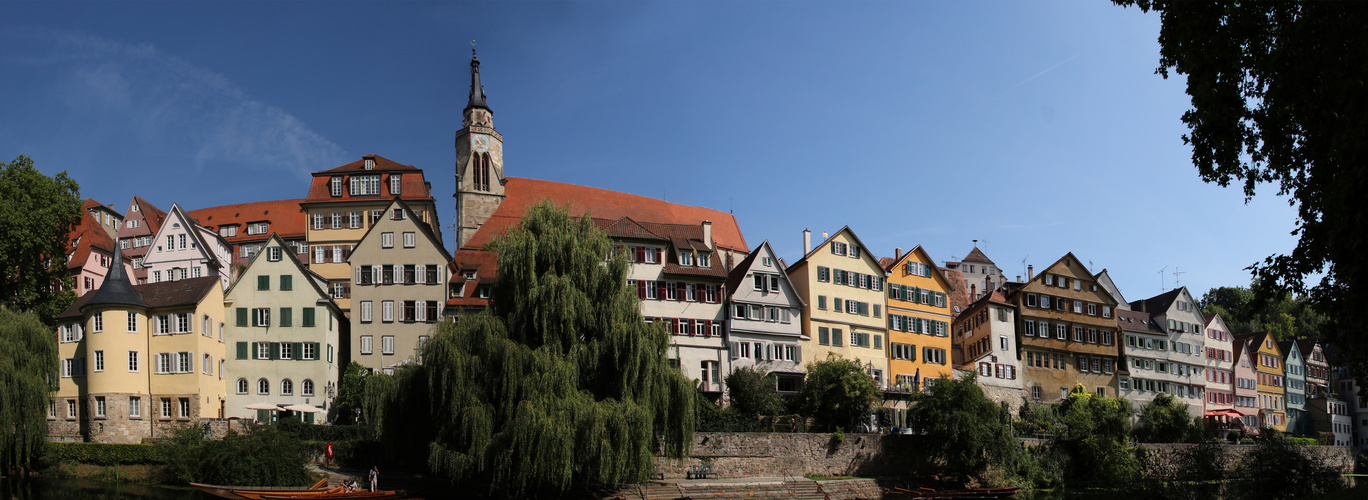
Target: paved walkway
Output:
[(787, 487)]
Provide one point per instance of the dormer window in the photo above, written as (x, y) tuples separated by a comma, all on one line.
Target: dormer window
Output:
[(336, 186), (704, 260), (257, 228), (369, 164), (394, 183), (686, 258)]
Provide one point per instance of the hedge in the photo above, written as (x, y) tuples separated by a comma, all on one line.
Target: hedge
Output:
[(102, 453), (327, 433)]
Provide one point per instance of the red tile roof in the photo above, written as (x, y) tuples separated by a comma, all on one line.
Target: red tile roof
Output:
[(959, 297), (285, 218), (152, 216), (88, 234), (977, 255), (412, 185), (603, 204)]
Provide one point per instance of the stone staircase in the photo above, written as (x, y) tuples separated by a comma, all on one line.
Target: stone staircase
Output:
[(806, 489)]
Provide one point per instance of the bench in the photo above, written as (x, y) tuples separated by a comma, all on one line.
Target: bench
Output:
[(700, 472)]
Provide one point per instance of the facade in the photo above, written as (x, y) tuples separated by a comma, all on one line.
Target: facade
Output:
[(91, 252), (247, 226), (400, 277), (918, 308), (1334, 418), (1267, 359), (1318, 373), (980, 274), (986, 342), (842, 285), (1176, 312), (106, 217), (1246, 385), (479, 163), (140, 225), (1067, 332), (1294, 383), (1220, 364), (680, 278), (1147, 370), (345, 202), (182, 249), (1347, 389), (284, 336), (764, 328), (140, 361)]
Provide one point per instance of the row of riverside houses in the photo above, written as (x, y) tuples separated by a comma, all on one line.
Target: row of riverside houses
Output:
[(242, 310)]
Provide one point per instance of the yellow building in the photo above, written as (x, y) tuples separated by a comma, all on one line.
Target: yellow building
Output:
[(1267, 359), (139, 361), (919, 320), (842, 284)]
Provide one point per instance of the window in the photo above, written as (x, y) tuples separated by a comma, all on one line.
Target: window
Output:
[(335, 186), (286, 387), (306, 388), (99, 406), (99, 361), (242, 386), (98, 320), (184, 407), (261, 316), (132, 322), (133, 361), (286, 350), (71, 408), (365, 311), (366, 346), (263, 350), (408, 239), (166, 407), (387, 311), (387, 240), (398, 214), (394, 183), (263, 386), (387, 344), (135, 407)]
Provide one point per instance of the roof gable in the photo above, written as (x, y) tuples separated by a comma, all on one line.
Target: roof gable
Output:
[(178, 216), (274, 241), (410, 219), (865, 255), (977, 255), (936, 273)]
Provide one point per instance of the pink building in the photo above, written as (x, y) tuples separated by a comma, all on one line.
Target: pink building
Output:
[(141, 223), (182, 249)]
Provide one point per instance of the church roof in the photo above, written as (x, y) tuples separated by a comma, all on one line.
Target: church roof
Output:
[(520, 194), (477, 95)]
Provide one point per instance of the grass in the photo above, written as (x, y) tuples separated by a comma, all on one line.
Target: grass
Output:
[(823, 477)]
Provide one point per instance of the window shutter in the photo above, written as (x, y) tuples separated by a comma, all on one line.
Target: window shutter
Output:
[(317, 353), (640, 254), (299, 351), (255, 348), (680, 291), (241, 350), (358, 275), (308, 319), (798, 354), (275, 350), (241, 316), (641, 289), (734, 353), (657, 255), (660, 290), (286, 316), (375, 275), (674, 325)]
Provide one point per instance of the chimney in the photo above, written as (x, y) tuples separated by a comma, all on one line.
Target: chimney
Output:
[(1018, 278), (973, 291), (807, 241), (707, 233), (897, 253), (1030, 272)]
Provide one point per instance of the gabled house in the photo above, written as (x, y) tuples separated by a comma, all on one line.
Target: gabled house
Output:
[(843, 286), (680, 276), (1246, 385), (1066, 331), (1146, 369), (1267, 359), (1176, 312), (182, 249), (345, 202), (979, 275), (399, 288), (917, 304), (1220, 364), (106, 217), (140, 225), (91, 252), (247, 226), (285, 338), (985, 340), (140, 361), (764, 329), (1294, 382)]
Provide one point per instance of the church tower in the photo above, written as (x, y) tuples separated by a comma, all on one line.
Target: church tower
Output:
[(479, 162)]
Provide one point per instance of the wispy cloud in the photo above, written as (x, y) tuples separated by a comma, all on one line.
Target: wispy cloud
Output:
[(1023, 82), (170, 104)]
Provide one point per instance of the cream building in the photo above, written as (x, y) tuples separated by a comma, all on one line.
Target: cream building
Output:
[(284, 337), (182, 249), (400, 287), (140, 361), (764, 326), (842, 284)]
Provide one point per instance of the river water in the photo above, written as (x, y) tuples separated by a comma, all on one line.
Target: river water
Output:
[(73, 489)]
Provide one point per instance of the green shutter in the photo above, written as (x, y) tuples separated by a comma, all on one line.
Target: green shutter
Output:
[(318, 354), (299, 351), (263, 282), (286, 316), (241, 316), (255, 350), (308, 319), (878, 341), (275, 350), (286, 282), (241, 350)]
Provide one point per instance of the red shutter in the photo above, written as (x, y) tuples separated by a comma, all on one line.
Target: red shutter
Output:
[(641, 289), (640, 254), (707, 328), (680, 290), (657, 255), (674, 325), (692, 331), (660, 290)]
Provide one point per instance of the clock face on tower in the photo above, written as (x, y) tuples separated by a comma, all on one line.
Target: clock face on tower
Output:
[(480, 143)]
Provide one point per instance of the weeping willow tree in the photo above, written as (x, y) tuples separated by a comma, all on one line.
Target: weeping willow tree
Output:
[(28, 365), (559, 383)]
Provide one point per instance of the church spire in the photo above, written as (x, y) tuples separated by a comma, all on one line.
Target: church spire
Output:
[(116, 290), (477, 95)]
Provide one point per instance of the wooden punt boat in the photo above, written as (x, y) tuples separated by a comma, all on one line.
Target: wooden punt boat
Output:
[(351, 495), (254, 492)]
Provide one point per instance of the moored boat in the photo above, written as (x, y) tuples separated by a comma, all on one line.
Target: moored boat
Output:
[(349, 495), (254, 492)]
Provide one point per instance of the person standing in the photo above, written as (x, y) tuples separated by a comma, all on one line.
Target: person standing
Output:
[(374, 477)]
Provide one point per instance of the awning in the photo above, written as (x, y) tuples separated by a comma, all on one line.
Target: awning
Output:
[(262, 406), (1224, 413), (304, 408)]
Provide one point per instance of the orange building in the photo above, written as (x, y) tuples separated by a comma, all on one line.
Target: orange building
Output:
[(919, 317)]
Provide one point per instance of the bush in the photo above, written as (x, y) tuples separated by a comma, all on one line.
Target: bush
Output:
[(754, 392), (710, 418), (102, 453), (326, 433), (264, 456), (1277, 469), (1166, 420)]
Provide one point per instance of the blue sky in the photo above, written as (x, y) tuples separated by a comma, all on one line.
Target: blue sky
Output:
[(1037, 128)]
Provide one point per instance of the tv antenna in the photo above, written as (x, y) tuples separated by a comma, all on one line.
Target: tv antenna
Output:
[(1161, 279), (1178, 277), (1023, 266)]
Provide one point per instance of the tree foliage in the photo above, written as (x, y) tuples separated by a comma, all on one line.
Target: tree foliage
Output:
[(1165, 420), (37, 213), (560, 382), (838, 394), (1277, 469), (965, 431), (27, 367), (263, 456), (349, 395), (1278, 96), (754, 392), (1098, 428), (1285, 315)]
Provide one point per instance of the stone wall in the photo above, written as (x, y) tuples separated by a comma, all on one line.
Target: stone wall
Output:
[(1341, 457), (758, 454)]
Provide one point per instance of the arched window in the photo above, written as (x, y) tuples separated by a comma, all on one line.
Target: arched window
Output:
[(306, 388), (242, 386), (263, 386), (286, 387), (484, 172)]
